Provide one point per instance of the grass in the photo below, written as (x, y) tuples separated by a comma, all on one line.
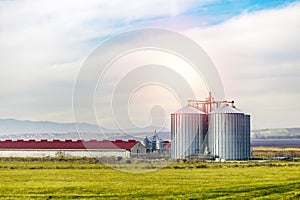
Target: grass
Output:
[(86, 179), (269, 152)]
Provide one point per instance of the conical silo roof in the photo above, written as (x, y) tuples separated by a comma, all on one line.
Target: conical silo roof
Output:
[(227, 109), (189, 110)]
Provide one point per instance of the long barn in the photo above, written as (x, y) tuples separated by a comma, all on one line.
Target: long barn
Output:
[(91, 148)]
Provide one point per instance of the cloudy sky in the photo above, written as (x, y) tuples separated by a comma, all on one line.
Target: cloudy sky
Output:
[(255, 46)]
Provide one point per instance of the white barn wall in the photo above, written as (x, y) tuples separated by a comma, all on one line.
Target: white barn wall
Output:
[(52, 153)]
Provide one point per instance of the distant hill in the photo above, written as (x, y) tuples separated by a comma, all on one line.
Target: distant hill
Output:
[(276, 133), (276, 137), (147, 129), (13, 126), (18, 129)]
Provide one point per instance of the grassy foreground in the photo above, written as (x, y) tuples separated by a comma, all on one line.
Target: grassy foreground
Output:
[(84, 180)]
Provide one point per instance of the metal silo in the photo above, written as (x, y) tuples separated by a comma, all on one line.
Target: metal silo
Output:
[(147, 143), (157, 143), (188, 130), (247, 136), (226, 133), (153, 143)]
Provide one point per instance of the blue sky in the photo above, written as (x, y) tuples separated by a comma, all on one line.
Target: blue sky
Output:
[(236, 7), (254, 45), (213, 12), (221, 11)]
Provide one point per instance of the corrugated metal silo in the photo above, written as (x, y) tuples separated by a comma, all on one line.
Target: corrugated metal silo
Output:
[(157, 144), (247, 136), (226, 133), (188, 131)]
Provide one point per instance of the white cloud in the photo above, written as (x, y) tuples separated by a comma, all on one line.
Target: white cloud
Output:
[(43, 43), (257, 56)]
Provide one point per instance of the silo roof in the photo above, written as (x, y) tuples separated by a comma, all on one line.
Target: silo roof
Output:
[(189, 110), (227, 109)]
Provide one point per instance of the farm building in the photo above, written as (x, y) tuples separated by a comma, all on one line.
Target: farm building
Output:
[(91, 148)]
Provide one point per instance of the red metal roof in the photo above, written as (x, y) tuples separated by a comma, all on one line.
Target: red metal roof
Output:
[(167, 145), (125, 145), (67, 144)]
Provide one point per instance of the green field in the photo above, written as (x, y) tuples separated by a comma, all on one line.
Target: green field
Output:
[(83, 179)]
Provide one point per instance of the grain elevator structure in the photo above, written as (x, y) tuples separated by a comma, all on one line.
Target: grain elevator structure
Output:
[(209, 127)]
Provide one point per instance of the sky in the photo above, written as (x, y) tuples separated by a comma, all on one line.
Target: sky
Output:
[(254, 45)]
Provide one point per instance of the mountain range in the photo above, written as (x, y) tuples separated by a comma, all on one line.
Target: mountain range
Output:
[(25, 129), (13, 126)]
